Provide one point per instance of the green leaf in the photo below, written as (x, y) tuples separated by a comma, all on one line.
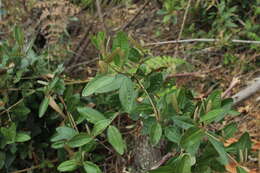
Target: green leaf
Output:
[(173, 134), (212, 115), (100, 126), (244, 142), (79, 140), (20, 112), (69, 165), (90, 167), (219, 148), (89, 146), (115, 139), (191, 137), (58, 144), (2, 159), (43, 106), (233, 113), (134, 55), (116, 84), (64, 133), (241, 170), (229, 130), (99, 83), (22, 137), (127, 95), (99, 39), (155, 133), (121, 41), (19, 36), (184, 165), (9, 133), (91, 115), (215, 98), (162, 169), (183, 121)]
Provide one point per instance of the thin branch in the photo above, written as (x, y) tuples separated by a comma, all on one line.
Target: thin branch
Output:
[(15, 104), (193, 74), (82, 64), (8, 109), (200, 40), (163, 160), (101, 17), (233, 83), (82, 45), (248, 91), (156, 111), (135, 16), (182, 25), (33, 167)]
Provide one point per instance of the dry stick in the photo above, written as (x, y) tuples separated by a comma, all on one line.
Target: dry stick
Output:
[(233, 83), (33, 167), (101, 16), (82, 63), (80, 48), (163, 160), (182, 25), (8, 109), (248, 91), (156, 111), (135, 16), (200, 40), (193, 74), (73, 123), (15, 104)]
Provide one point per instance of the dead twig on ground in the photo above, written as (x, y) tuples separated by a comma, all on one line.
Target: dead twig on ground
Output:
[(83, 43), (101, 17), (247, 92), (163, 160), (33, 167), (233, 83), (82, 64), (134, 17), (182, 26), (200, 40), (193, 74)]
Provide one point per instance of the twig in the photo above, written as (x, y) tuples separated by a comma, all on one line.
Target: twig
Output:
[(233, 83), (163, 160), (156, 111), (100, 15), (73, 123), (80, 48), (56, 107), (77, 82), (33, 167), (182, 25), (81, 64), (135, 16), (248, 91), (200, 40), (192, 74), (15, 104), (8, 109)]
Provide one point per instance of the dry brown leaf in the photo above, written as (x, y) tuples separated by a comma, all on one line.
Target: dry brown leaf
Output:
[(256, 145), (230, 141), (56, 107), (232, 168), (244, 109)]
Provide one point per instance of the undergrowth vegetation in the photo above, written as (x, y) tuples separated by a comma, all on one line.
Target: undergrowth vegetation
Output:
[(52, 123)]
